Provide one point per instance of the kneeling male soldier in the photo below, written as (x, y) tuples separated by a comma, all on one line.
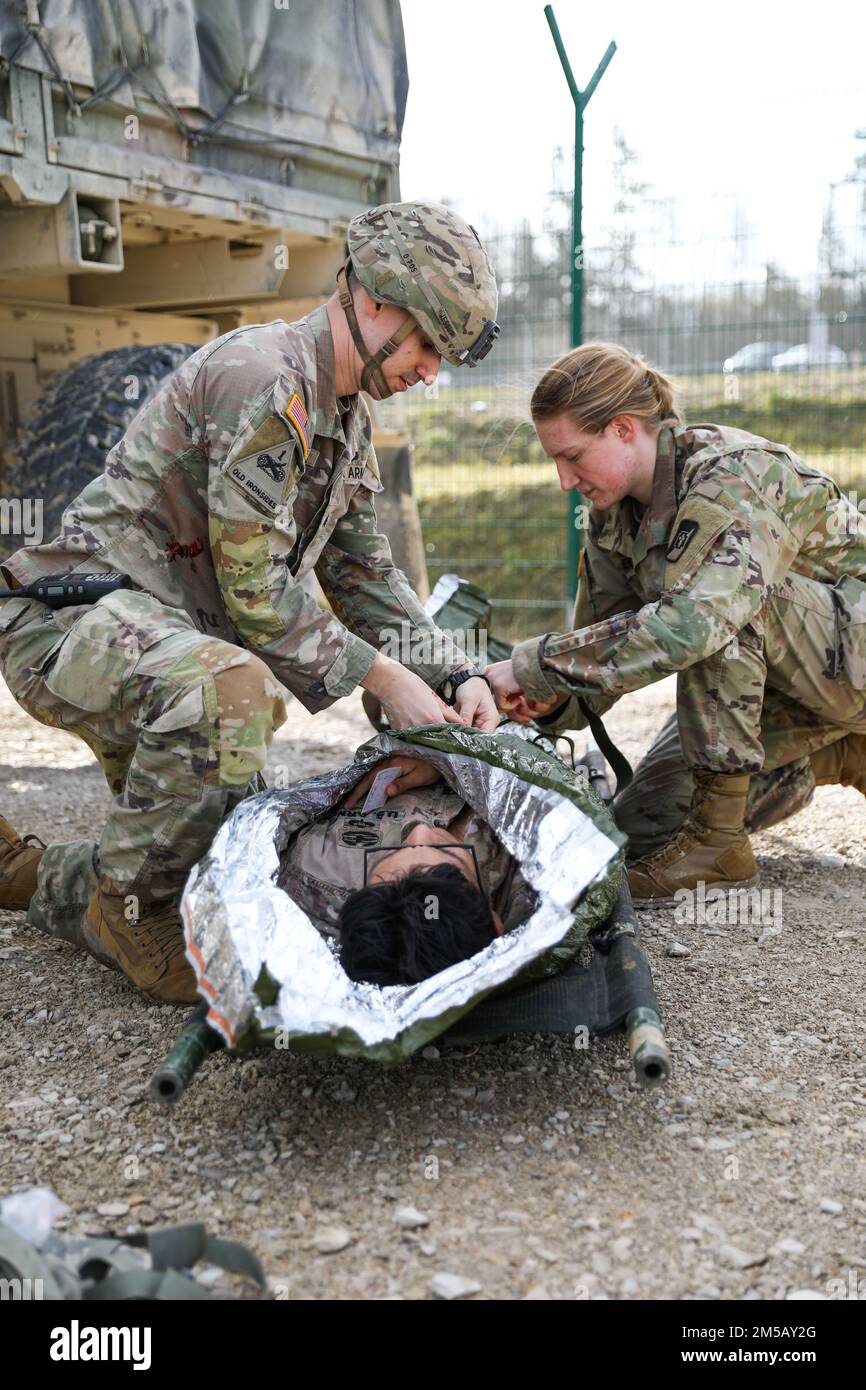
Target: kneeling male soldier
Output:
[(251, 466)]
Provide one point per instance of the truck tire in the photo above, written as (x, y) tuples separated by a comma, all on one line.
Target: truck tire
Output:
[(82, 414)]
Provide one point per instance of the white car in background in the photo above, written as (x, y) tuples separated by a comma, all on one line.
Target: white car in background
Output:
[(806, 356), (754, 357)]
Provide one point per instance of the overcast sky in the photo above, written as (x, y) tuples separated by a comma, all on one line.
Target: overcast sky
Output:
[(739, 100)]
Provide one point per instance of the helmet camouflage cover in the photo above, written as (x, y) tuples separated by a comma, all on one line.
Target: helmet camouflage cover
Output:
[(423, 257)]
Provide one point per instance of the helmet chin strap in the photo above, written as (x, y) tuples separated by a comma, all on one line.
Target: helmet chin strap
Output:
[(372, 363)]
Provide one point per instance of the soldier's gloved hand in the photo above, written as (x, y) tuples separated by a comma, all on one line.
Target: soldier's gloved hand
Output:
[(414, 772), (474, 700), (404, 697)]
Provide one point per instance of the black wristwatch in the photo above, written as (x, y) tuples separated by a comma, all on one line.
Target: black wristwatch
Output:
[(448, 689)]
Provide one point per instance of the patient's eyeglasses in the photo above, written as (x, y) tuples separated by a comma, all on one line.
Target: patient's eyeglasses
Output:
[(446, 849)]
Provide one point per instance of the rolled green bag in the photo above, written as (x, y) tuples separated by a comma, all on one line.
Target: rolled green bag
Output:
[(148, 1265), (270, 977)]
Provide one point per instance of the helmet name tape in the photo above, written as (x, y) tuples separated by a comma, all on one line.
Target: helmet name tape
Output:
[(445, 322)]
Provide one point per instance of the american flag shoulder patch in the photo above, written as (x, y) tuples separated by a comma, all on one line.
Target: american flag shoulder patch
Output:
[(300, 421)]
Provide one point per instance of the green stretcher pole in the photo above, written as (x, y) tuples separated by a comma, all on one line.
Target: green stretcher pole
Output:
[(194, 1045), (644, 1034), (581, 100), (647, 1047)]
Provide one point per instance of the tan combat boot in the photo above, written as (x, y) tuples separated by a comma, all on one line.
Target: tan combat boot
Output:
[(18, 864), (148, 950), (711, 846), (843, 764)]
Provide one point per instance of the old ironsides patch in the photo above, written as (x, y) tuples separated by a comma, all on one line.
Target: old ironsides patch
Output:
[(262, 476)]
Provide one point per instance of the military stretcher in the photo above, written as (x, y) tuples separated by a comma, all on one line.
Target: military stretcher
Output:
[(575, 967)]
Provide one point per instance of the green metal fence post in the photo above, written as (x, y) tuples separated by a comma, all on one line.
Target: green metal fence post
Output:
[(580, 99)]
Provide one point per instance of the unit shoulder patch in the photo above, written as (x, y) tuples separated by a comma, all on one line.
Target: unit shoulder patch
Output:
[(683, 537), (262, 476), (705, 520)]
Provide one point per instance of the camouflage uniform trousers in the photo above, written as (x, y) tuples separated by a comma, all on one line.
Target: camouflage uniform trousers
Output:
[(804, 709), (180, 723)]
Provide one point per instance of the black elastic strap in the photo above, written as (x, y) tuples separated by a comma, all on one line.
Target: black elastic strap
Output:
[(179, 1247), (617, 760)]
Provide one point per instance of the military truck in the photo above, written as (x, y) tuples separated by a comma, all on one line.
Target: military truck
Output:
[(168, 173)]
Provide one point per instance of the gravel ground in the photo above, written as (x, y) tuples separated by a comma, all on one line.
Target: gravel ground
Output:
[(521, 1169)]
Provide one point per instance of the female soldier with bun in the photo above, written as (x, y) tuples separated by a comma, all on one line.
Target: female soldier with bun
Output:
[(721, 556)]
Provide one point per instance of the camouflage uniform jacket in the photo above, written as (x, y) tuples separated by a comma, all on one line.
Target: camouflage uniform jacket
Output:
[(240, 475), (324, 862), (664, 587)]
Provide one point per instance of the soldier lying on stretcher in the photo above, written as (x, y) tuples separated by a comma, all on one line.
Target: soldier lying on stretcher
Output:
[(410, 885)]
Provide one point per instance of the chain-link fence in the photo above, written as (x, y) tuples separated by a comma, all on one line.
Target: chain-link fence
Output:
[(784, 358)]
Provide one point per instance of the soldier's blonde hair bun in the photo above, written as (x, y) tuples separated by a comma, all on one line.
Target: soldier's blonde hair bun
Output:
[(598, 381)]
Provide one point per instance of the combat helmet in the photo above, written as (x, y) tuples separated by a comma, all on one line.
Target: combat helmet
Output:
[(424, 258)]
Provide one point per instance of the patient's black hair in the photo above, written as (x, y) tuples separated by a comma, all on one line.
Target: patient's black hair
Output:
[(389, 937)]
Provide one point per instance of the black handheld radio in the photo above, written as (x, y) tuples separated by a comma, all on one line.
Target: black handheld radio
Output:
[(64, 590)]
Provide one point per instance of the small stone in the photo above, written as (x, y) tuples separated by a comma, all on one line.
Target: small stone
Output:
[(805, 1295), (778, 1116), (536, 1293), (328, 1240), (831, 1207), (769, 934), (513, 1139), (696, 1142), (677, 949), (735, 1258), (113, 1208), (431, 1054), (450, 1286), (789, 1246), (410, 1218), (717, 1145), (830, 861)]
